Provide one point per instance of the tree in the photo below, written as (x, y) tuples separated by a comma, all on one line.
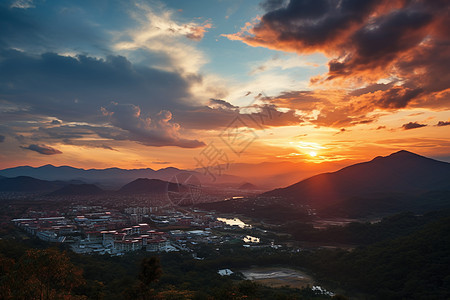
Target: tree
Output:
[(149, 272), (42, 274)]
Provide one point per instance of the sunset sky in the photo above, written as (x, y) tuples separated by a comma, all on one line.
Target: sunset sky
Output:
[(136, 84)]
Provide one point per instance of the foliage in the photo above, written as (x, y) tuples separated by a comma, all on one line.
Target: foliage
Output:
[(358, 233), (40, 274), (416, 266)]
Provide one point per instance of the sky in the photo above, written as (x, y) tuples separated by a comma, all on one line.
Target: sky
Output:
[(204, 84)]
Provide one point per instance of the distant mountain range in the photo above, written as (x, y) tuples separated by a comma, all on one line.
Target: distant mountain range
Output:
[(75, 188), (400, 181), (111, 178), (265, 175)]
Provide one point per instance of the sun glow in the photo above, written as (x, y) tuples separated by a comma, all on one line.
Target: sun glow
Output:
[(312, 153), (307, 146)]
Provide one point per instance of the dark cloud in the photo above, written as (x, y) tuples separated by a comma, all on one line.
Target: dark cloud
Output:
[(362, 35), (74, 88), (42, 149), (395, 97), (406, 42), (269, 5), (412, 125), (220, 113), (206, 118), (443, 123), (377, 44), (342, 130), (103, 146), (157, 131), (256, 116), (16, 25), (371, 89), (2, 138), (64, 132), (307, 25)]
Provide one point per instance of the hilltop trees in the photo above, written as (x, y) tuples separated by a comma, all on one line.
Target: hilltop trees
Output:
[(149, 272), (39, 274)]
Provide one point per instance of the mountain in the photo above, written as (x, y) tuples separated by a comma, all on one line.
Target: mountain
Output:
[(110, 178), (78, 190), (147, 186), (383, 184), (29, 184)]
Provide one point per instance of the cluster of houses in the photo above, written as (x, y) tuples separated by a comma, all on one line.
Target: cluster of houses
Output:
[(94, 229), (127, 239), (49, 229)]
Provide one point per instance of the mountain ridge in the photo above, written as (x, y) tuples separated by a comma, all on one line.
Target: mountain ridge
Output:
[(83, 189), (109, 178), (387, 180), (146, 185), (29, 184)]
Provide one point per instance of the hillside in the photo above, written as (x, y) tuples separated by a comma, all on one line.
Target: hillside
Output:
[(145, 186), (29, 184), (110, 178), (78, 190), (384, 184)]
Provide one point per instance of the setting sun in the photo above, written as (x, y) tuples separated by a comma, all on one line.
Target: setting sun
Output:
[(312, 153)]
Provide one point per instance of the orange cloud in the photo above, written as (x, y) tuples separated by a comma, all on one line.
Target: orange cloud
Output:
[(197, 32), (412, 125), (403, 43)]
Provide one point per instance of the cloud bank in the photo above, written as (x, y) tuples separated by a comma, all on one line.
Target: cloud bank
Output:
[(392, 54)]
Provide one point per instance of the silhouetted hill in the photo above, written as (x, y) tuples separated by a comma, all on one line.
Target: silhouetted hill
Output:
[(78, 190), (382, 184), (147, 186), (29, 184), (108, 176), (111, 177)]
